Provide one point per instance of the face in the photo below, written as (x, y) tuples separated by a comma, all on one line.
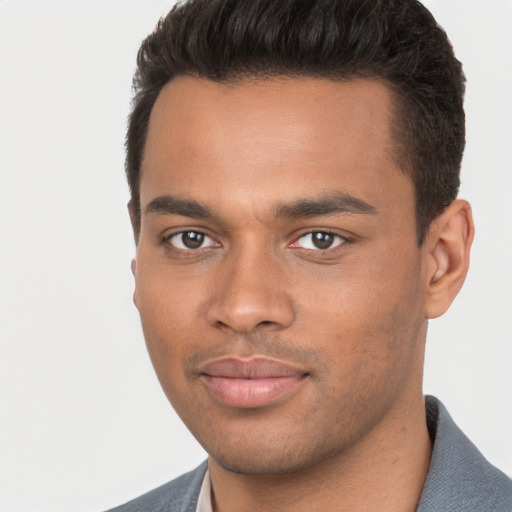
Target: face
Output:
[(278, 276)]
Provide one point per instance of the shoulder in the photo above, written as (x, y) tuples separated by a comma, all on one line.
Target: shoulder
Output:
[(179, 495), (460, 478)]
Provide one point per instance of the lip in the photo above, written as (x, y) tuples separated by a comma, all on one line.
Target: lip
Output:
[(251, 383)]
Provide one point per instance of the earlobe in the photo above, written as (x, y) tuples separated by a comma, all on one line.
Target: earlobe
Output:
[(448, 249)]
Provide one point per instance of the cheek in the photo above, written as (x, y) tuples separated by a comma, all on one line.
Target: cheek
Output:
[(369, 315), (370, 349), (167, 305), (168, 321)]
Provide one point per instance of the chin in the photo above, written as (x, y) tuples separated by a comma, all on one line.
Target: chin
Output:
[(260, 466), (271, 459)]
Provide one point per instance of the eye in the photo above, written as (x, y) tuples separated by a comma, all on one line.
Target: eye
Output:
[(319, 241), (190, 240)]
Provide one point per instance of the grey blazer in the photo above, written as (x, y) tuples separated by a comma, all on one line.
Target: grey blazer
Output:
[(459, 478)]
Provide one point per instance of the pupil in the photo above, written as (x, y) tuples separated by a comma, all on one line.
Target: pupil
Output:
[(323, 240), (192, 239)]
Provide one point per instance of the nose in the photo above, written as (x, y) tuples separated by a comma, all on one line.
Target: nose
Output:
[(251, 292)]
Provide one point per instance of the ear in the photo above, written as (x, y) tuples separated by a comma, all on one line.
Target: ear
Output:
[(133, 266), (448, 245)]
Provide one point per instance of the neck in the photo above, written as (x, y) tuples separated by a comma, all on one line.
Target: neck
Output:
[(384, 471)]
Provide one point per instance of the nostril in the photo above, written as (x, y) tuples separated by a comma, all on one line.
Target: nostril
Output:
[(243, 308)]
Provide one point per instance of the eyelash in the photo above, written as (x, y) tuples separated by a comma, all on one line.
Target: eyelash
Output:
[(343, 240), (190, 251), (167, 240)]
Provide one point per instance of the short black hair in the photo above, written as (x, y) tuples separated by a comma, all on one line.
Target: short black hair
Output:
[(397, 42)]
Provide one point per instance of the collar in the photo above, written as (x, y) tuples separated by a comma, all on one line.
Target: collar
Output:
[(204, 501)]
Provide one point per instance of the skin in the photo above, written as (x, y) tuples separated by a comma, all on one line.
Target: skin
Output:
[(352, 317)]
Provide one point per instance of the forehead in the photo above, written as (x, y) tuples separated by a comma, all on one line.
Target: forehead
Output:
[(277, 138)]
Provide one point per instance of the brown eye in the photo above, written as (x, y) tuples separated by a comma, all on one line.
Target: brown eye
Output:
[(322, 240), (190, 240), (319, 240)]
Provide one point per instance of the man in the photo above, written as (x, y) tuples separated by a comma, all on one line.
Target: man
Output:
[(294, 169)]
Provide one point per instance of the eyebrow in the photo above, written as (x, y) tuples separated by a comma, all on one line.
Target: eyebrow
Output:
[(169, 205), (337, 202)]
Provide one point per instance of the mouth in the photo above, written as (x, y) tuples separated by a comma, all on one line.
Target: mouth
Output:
[(252, 383)]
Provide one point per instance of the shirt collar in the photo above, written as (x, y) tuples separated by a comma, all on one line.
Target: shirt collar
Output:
[(204, 501)]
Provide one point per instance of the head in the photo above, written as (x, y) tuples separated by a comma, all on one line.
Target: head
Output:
[(293, 171), (395, 42)]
